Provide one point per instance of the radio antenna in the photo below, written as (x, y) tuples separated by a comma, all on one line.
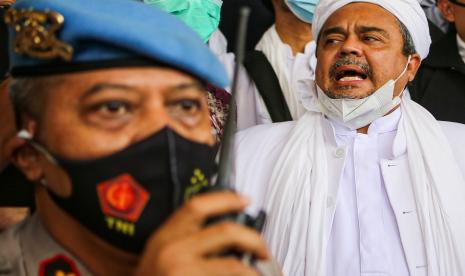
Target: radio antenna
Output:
[(227, 157)]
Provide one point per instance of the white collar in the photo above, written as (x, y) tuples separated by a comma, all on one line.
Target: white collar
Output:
[(384, 124), (461, 46)]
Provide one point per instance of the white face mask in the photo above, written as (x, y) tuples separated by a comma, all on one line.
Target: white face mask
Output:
[(358, 113)]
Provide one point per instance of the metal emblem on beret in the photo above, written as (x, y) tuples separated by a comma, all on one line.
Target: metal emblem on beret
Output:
[(36, 34)]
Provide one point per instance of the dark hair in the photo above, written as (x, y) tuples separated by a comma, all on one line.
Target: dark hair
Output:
[(28, 96), (408, 47)]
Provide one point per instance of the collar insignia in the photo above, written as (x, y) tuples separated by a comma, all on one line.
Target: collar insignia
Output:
[(36, 34)]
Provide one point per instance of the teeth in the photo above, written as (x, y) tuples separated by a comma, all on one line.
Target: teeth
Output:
[(353, 78)]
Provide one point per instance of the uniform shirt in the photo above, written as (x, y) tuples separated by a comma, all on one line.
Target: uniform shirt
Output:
[(364, 238), (461, 47), (27, 249)]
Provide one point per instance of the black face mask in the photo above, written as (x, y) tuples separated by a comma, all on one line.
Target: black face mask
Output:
[(124, 197)]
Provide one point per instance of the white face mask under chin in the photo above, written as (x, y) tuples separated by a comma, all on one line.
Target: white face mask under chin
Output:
[(358, 113)]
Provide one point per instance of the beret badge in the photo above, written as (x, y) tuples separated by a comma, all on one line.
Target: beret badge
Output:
[(36, 34)]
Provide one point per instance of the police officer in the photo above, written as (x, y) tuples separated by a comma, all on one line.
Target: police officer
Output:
[(116, 134)]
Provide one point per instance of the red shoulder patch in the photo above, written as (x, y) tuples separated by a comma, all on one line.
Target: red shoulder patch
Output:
[(59, 265)]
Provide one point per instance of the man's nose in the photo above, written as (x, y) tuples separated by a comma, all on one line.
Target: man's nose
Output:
[(351, 47)]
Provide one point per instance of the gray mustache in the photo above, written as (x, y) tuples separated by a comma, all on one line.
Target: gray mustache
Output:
[(347, 61)]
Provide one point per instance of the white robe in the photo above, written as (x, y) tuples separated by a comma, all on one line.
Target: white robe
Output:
[(259, 148), (295, 73)]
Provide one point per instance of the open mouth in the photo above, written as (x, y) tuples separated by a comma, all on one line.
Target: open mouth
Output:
[(345, 73)]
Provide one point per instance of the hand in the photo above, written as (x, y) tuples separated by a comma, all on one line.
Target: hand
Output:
[(185, 246)]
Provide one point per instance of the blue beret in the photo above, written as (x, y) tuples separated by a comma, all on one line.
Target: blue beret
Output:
[(58, 36)]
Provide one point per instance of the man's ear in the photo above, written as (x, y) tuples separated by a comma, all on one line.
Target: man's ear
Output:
[(413, 66), (24, 156), (26, 159), (447, 10)]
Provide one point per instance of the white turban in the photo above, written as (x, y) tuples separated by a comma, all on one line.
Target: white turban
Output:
[(409, 12)]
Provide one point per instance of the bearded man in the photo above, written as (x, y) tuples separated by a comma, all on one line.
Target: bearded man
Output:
[(368, 182)]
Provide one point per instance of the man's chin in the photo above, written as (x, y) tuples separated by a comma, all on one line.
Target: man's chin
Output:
[(349, 92)]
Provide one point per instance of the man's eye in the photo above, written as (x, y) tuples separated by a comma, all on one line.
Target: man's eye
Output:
[(187, 111), (330, 41), (370, 38), (188, 105), (113, 108)]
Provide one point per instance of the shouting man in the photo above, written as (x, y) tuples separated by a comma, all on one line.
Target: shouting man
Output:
[(373, 184)]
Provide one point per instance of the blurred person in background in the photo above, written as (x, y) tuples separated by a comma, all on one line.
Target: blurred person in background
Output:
[(440, 83), (435, 18), (288, 50)]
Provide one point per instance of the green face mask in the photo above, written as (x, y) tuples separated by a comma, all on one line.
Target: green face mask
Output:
[(201, 15)]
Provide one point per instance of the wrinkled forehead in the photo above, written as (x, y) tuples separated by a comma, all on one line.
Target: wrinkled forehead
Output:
[(361, 14), (154, 79)]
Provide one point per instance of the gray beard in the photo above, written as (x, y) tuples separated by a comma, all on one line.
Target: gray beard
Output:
[(334, 95)]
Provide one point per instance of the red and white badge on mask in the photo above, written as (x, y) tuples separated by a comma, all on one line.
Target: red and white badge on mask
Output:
[(122, 197)]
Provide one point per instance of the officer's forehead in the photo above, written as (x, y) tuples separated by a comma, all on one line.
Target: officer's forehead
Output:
[(142, 78)]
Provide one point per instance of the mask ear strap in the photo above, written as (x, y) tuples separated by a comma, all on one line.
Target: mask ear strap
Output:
[(405, 69), (403, 72), (24, 134)]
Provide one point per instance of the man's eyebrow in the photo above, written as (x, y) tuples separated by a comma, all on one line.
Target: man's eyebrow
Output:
[(370, 29), (127, 88), (106, 86), (185, 86), (334, 30)]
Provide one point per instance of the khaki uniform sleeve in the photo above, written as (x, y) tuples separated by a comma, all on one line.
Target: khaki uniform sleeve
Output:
[(11, 259)]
